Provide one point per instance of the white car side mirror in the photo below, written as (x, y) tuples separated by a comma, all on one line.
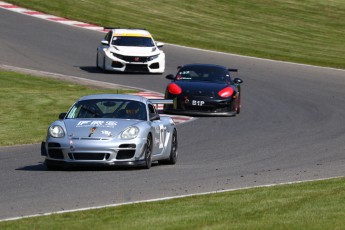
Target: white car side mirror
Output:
[(105, 42), (159, 44)]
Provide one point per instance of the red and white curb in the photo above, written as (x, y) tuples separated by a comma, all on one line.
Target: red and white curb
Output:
[(18, 9), (177, 118), (153, 95)]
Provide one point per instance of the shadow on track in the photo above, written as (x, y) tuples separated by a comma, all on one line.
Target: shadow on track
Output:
[(74, 168)]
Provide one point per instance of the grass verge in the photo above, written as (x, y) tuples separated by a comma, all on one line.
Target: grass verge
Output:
[(308, 31), (30, 103), (309, 205)]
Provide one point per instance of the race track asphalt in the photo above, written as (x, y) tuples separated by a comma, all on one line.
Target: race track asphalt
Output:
[(291, 127)]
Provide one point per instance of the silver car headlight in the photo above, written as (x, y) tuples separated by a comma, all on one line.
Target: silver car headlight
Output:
[(130, 132), (153, 57), (56, 131)]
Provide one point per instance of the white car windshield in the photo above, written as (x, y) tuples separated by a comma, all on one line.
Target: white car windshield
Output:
[(132, 41)]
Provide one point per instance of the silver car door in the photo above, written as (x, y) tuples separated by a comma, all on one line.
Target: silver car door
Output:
[(159, 133)]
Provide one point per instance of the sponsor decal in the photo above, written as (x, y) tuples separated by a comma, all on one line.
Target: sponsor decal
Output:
[(128, 34), (96, 123), (92, 130), (107, 133)]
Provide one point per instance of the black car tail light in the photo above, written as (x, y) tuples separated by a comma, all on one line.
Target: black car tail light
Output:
[(226, 92), (174, 89)]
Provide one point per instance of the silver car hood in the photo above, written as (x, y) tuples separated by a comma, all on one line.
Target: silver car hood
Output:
[(97, 128)]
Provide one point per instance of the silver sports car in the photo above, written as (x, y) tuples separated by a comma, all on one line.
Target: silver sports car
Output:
[(111, 129)]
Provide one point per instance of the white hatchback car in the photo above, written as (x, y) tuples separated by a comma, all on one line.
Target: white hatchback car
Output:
[(130, 50)]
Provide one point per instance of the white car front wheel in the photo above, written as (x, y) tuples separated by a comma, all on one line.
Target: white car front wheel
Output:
[(104, 69), (97, 64)]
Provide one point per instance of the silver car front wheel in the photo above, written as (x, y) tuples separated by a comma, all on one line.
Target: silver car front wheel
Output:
[(148, 152)]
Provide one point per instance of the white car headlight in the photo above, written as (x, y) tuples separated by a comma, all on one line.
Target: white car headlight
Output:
[(130, 132), (153, 57), (117, 56), (56, 131)]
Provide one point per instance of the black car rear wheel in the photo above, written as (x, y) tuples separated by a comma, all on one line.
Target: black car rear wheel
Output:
[(238, 104)]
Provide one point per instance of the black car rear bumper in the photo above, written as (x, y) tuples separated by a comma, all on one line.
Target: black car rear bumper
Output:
[(208, 108), (200, 113)]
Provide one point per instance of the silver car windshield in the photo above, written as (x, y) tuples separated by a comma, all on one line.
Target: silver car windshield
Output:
[(108, 108), (132, 41)]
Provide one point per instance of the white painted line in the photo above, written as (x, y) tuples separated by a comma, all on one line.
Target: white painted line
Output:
[(164, 198)]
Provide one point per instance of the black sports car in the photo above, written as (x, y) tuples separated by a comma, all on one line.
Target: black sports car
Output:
[(204, 89)]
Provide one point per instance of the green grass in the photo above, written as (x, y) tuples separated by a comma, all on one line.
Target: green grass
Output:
[(310, 205), (302, 31), (29, 104)]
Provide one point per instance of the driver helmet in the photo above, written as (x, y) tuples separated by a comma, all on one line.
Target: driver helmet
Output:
[(132, 108)]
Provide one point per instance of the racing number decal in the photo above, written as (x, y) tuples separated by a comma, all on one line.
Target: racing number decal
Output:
[(198, 103)]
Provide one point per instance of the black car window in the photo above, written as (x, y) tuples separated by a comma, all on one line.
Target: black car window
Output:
[(203, 73)]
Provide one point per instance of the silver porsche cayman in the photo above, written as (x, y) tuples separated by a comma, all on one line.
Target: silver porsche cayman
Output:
[(111, 129)]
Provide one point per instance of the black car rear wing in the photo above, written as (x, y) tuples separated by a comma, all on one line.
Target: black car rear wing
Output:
[(156, 102), (161, 101)]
